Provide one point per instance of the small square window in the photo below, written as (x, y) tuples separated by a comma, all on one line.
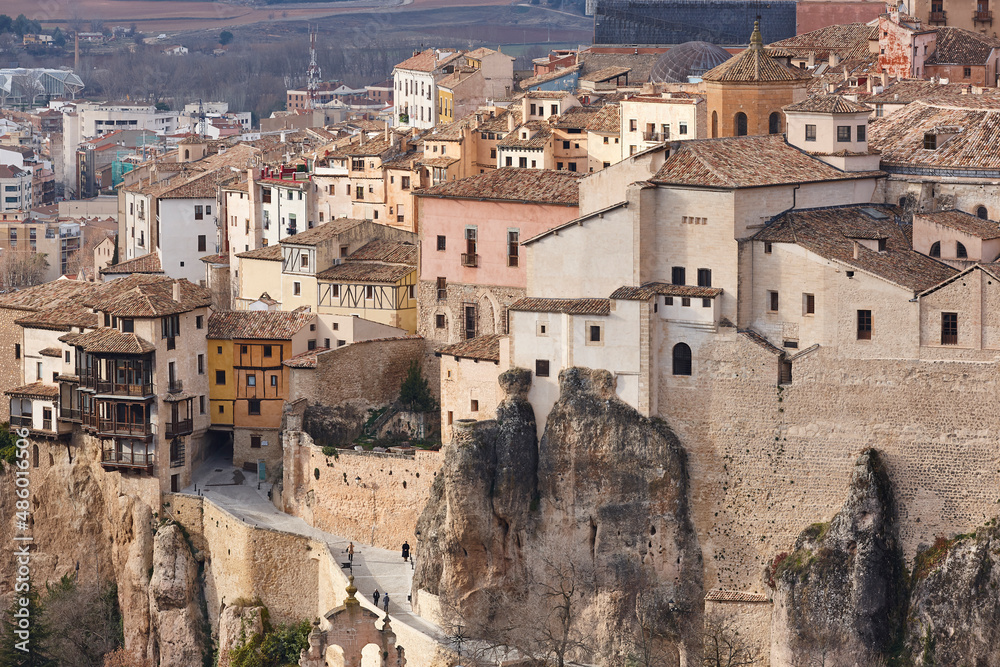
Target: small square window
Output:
[(251, 380), (439, 321), (541, 328), (474, 407), (221, 409), (253, 406), (220, 377), (595, 333), (442, 241), (542, 368), (810, 133), (767, 247), (843, 133), (706, 303), (685, 301), (668, 301), (254, 442)]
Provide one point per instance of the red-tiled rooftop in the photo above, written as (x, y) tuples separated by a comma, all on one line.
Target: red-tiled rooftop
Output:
[(483, 348), (537, 186), (35, 390), (964, 222), (568, 306), (828, 104), (109, 341), (270, 253), (256, 324), (652, 289), (148, 263)]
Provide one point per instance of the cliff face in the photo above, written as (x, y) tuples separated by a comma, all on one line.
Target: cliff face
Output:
[(176, 617), (954, 615), (601, 500), (841, 592)]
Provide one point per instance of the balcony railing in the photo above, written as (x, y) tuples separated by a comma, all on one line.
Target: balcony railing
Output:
[(175, 386), (939, 17), (470, 259), (182, 427), (655, 136), (117, 389), (114, 458), (982, 16), (70, 414), (112, 427), (23, 421), (512, 260)]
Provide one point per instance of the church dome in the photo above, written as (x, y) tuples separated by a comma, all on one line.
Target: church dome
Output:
[(687, 60)]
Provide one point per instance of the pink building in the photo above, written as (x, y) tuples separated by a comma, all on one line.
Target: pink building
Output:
[(471, 264)]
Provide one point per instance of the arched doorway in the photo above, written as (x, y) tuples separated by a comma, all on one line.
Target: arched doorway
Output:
[(371, 656), (682, 359), (740, 124), (774, 123), (487, 315)]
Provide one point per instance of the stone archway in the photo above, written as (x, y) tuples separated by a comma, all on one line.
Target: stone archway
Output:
[(489, 315), (344, 632)]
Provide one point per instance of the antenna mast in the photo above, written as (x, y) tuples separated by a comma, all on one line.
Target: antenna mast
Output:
[(313, 74)]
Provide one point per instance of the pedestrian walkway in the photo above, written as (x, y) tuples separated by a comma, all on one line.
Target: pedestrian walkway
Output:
[(239, 493)]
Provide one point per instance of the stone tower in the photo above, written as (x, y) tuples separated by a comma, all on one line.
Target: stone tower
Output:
[(747, 92)]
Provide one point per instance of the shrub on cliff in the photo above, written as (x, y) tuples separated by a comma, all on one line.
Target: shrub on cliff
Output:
[(8, 448), (276, 647)]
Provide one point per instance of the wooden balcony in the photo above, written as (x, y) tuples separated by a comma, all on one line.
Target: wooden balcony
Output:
[(116, 389), (982, 16), (470, 260), (111, 458), (178, 428), (20, 421), (655, 136), (938, 17), (70, 414), (113, 427)]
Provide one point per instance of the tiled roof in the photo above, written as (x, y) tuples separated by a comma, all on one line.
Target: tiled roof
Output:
[(606, 73), (219, 258), (849, 40), (538, 139), (754, 65), (541, 186), (900, 137), (957, 46), (484, 348), (547, 77), (10, 171), (305, 359), (256, 324), (50, 352), (440, 162), (747, 162), (575, 118), (149, 296), (271, 253), (568, 306), (607, 120), (380, 250), (426, 61), (831, 233), (964, 222), (35, 390), (906, 91), (719, 595), (366, 272), (109, 341), (828, 104), (48, 294), (650, 290), (499, 122), (148, 263), (323, 232), (69, 313), (640, 64)]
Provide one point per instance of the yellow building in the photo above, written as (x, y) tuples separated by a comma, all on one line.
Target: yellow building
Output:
[(248, 384), (377, 282)]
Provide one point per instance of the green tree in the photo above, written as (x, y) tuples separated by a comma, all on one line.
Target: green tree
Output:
[(8, 444), (58, 37), (6, 23), (277, 647), (225, 37), (85, 622), (15, 649), (415, 393)]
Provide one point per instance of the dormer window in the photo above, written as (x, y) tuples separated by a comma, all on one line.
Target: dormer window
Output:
[(930, 142)]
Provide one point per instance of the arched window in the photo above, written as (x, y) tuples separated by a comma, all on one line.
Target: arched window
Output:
[(981, 212), (774, 123), (187, 154), (682, 359), (715, 124), (960, 251), (902, 202), (936, 249), (740, 123)]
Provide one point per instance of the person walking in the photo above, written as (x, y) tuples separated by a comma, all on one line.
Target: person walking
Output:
[(406, 550), (350, 552), (385, 602), (375, 597)]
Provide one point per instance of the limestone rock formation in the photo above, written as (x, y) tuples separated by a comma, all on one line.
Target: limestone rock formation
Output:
[(601, 500), (174, 601), (237, 623), (954, 614), (841, 592)]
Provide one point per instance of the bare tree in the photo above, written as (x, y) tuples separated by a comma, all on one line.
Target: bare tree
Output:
[(725, 646), (20, 268)]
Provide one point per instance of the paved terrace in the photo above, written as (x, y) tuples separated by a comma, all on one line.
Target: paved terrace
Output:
[(236, 491)]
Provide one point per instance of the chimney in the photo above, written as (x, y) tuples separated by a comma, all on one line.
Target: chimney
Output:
[(834, 60), (510, 122), (855, 250), (177, 290), (885, 79)]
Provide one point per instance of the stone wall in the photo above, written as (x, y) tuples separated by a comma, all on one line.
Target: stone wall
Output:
[(10, 365), (491, 304), (393, 490), (243, 452)]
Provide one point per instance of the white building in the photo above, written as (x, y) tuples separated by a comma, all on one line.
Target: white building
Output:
[(648, 120), (415, 100), (15, 188)]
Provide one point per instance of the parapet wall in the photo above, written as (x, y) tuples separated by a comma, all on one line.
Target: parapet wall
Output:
[(391, 494)]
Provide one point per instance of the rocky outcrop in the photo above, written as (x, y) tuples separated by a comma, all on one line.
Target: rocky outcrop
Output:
[(176, 616), (841, 593), (602, 499), (237, 623), (954, 615), (333, 426)]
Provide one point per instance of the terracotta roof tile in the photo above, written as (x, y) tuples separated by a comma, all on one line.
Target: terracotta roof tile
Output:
[(540, 133), (606, 73), (957, 46), (109, 341), (541, 186), (754, 65), (639, 64), (568, 306), (256, 324), (271, 253), (575, 118), (219, 258), (305, 359), (323, 232), (484, 348), (50, 352), (148, 263), (381, 250), (48, 295), (828, 104), (499, 122), (366, 272), (148, 296), (607, 120), (849, 40), (547, 77), (69, 313), (964, 222), (831, 233), (746, 162), (426, 61), (35, 390), (650, 290)]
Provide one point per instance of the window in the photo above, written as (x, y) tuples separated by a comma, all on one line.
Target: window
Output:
[(682, 359), (808, 304), (706, 303), (404, 182), (949, 328), (864, 325), (740, 126), (297, 288), (685, 301), (966, 72), (982, 213), (199, 321), (682, 129), (251, 380), (633, 124), (470, 320), (369, 291), (541, 368), (843, 133), (201, 404), (255, 441), (244, 349), (935, 249), (201, 243), (253, 406), (595, 333), (554, 109), (509, 161), (668, 301), (862, 131), (199, 212), (442, 288), (522, 162), (38, 371), (677, 275), (220, 377), (772, 301), (774, 123), (513, 236), (274, 378), (311, 344), (704, 277), (411, 291), (566, 145), (17, 350), (785, 371), (222, 409), (474, 406), (304, 260), (960, 251), (442, 242), (201, 364), (128, 326), (439, 321), (879, 110), (930, 142), (767, 247)]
